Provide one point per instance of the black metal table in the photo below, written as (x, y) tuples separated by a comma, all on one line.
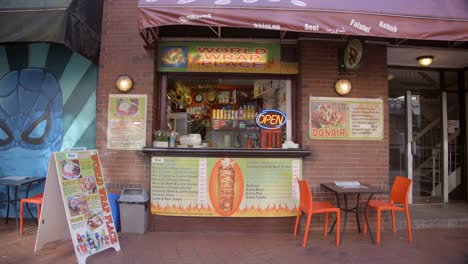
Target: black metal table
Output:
[(345, 191), (16, 182)]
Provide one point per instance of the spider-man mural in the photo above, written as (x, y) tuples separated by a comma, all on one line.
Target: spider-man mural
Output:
[(30, 121), (47, 104)]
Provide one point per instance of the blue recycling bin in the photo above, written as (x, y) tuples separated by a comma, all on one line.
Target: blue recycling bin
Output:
[(114, 205)]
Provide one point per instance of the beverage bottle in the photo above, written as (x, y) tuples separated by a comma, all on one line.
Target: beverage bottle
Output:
[(83, 248), (172, 140), (97, 241), (254, 141)]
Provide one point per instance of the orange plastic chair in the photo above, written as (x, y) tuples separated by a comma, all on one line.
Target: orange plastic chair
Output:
[(399, 194), (36, 199), (309, 207)]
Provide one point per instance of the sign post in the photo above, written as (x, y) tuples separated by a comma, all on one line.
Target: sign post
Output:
[(75, 194)]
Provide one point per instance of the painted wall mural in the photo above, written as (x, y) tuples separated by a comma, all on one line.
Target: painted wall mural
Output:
[(47, 104)]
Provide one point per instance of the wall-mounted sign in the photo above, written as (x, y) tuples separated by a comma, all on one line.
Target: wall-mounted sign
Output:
[(453, 126), (271, 119), (264, 86), (346, 118), (221, 57), (126, 123), (353, 55)]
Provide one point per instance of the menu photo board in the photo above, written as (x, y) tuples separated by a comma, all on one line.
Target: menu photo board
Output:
[(126, 124), (335, 118), (75, 196), (225, 187)]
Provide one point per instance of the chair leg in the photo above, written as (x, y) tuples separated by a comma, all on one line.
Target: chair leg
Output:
[(325, 228), (38, 213), (365, 223), (306, 232), (379, 220), (393, 221), (408, 222), (298, 219), (338, 226), (21, 217)]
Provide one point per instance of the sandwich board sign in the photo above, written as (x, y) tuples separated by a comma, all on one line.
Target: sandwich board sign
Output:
[(75, 196)]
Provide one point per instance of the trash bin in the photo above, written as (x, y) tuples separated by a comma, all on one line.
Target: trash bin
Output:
[(114, 205), (134, 210)]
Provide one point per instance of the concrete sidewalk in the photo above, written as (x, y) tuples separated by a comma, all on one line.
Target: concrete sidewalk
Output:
[(430, 246)]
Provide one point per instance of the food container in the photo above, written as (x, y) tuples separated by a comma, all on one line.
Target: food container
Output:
[(190, 139)]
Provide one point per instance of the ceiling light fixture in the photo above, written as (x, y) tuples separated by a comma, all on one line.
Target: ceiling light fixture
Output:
[(425, 60)]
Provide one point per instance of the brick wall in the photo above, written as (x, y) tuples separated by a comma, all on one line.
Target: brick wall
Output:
[(122, 52), (361, 160), (345, 160)]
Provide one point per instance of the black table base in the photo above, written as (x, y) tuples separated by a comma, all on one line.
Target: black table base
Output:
[(346, 209)]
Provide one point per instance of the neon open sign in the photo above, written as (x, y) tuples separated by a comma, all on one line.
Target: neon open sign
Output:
[(271, 119)]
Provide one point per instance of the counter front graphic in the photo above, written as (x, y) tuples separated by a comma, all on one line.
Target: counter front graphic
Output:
[(223, 187)]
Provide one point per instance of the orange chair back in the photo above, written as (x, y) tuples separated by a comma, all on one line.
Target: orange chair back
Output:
[(400, 190), (305, 195)]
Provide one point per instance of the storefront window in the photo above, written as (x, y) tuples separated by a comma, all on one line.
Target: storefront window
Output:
[(217, 113), (466, 80), (451, 81)]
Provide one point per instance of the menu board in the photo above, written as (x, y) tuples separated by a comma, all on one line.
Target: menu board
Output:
[(346, 118), (126, 125), (75, 193), (225, 187)]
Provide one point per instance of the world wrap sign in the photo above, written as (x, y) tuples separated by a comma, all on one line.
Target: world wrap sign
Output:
[(222, 57)]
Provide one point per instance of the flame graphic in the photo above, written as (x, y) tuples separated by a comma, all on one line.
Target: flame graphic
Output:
[(206, 210)]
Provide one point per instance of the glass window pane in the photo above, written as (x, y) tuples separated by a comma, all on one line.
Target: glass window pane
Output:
[(466, 80), (220, 113), (415, 80), (451, 81)]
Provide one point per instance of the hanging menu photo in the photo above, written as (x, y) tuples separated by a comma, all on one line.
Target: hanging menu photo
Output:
[(346, 118), (126, 126), (237, 187)]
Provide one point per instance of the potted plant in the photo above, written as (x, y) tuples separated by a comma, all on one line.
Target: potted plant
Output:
[(160, 139)]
